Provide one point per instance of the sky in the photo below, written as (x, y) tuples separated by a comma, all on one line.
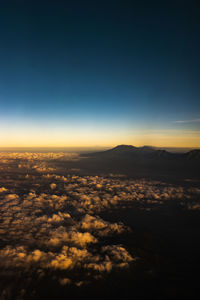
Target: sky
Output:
[(99, 73)]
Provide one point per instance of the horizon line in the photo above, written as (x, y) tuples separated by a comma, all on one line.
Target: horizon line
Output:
[(92, 147)]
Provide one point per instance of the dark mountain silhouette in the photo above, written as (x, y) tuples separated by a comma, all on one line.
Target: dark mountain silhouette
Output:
[(124, 150), (128, 151), (193, 154), (147, 152), (140, 162)]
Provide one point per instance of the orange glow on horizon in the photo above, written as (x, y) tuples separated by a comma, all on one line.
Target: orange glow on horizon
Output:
[(100, 139)]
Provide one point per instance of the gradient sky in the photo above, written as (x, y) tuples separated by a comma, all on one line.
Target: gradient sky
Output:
[(99, 73)]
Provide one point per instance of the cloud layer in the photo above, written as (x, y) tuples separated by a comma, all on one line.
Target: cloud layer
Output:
[(50, 222)]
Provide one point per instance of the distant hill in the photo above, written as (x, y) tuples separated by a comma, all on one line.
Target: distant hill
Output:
[(147, 152), (193, 154), (125, 150)]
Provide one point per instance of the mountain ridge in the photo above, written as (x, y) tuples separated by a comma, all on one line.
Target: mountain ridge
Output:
[(146, 151)]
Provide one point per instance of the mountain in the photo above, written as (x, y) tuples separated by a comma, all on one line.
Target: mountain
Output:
[(121, 150), (124, 150), (146, 152), (132, 151), (141, 162), (193, 154)]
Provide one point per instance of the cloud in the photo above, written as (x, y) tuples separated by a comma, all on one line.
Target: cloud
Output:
[(3, 189), (53, 186), (62, 231), (188, 121), (64, 281), (100, 227)]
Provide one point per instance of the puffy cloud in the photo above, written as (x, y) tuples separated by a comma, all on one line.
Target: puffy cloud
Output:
[(52, 186), (61, 236), (51, 222), (36, 156), (64, 281), (3, 189), (194, 206), (11, 197), (119, 254), (191, 205), (100, 227)]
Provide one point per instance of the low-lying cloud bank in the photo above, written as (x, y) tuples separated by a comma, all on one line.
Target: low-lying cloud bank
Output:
[(51, 224)]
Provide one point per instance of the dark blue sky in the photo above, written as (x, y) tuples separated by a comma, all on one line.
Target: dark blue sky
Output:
[(127, 68)]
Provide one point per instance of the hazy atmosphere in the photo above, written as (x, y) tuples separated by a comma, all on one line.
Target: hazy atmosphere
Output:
[(99, 149), (99, 73)]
